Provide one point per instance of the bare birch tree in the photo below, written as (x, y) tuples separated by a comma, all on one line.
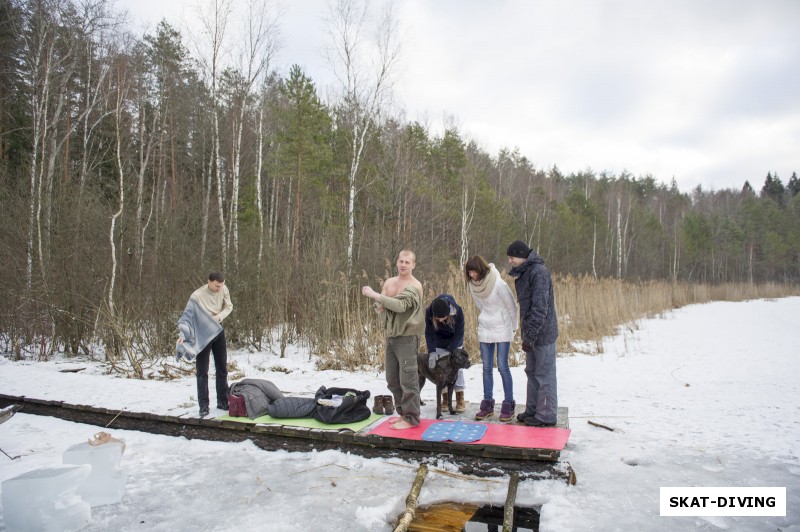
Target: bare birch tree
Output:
[(54, 33), (147, 140), (121, 93), (469, 193), (258, 47), (621, 230), (259, 172), (619, 237), (39, 46), (95, 111), (213, 18), (364, 71)]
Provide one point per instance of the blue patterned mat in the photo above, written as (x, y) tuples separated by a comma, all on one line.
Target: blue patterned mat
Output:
[(455, 431)]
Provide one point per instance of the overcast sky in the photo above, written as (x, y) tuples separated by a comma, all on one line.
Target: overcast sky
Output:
[(705, 91)]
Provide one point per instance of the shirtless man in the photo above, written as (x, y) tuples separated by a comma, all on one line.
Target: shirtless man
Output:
[(400, 306)]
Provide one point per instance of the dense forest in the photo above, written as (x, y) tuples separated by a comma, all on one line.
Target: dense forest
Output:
[(131, 166)]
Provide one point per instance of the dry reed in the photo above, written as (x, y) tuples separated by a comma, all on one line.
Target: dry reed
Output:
[(589, 310)]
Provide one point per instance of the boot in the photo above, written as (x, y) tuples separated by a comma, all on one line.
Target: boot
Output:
[(444, 396), (388, 405), (378, 408), (486, 409), (507, 411), (461, 405)]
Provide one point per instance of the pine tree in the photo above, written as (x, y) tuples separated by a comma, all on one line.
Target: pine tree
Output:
[(13, 141), (774, 189), (793, 186), (302, 139)]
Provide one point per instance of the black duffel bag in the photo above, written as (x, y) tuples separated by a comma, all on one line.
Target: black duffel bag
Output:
[(341, 405)]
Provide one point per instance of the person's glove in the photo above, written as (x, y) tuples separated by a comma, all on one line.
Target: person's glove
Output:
[(527, 347), (432, 358)]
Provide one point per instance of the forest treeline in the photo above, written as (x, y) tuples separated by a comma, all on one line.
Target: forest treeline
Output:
[(131, 166)]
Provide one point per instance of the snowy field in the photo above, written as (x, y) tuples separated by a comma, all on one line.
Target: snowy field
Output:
[(708, 395)]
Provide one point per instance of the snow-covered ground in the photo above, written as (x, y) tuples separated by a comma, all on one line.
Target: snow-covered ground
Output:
[(708, 395)]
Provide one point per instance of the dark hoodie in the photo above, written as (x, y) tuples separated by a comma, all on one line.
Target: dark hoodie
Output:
[(447, 336), (537, 309)]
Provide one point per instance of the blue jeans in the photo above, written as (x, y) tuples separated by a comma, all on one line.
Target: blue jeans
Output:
[(487, 357)]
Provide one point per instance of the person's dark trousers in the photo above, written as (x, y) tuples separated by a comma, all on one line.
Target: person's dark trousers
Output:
[(220, 350), (540, 368)]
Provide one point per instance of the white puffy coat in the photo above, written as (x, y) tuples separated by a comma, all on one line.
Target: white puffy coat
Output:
[(498, 316)]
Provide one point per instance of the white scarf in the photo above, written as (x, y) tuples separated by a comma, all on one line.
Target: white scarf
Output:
[(484, 287)]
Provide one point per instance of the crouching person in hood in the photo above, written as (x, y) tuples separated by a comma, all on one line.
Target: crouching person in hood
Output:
[(444, 332)]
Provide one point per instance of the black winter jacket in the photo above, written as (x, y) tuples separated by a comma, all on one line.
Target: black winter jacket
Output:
[(537, 309), (447, 336)]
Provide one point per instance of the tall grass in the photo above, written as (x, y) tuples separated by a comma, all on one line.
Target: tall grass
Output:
[(588, 309)]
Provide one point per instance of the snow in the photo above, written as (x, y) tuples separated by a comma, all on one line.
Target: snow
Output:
[(706, 395)]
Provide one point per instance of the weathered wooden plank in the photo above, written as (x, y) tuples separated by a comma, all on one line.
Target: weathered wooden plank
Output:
[(478, 460)]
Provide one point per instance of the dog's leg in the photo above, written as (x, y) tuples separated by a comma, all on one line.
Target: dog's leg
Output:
[(438, 402), (450, 399)]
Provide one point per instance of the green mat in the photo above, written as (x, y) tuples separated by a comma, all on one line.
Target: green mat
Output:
[(307, 422)]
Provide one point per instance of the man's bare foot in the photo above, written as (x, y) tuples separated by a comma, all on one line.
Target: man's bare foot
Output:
[(395, 420), (402, 425)]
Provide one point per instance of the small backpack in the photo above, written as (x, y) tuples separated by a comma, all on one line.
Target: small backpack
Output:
[(236, 406)]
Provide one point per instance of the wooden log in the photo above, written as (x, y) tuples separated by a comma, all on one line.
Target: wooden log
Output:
[(411, 500), (511, 498)]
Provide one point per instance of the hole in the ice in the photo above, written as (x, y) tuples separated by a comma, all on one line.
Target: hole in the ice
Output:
[(472, 518), (490, 519)]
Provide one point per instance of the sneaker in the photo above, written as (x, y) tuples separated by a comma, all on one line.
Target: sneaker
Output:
[(533, 422), (223, 406), (523, 416), (203, 411)]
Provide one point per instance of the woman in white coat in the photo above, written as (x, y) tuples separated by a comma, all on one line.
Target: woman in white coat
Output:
[(498, 319)]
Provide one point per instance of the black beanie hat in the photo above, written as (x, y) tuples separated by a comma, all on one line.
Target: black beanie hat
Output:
[(518, 249), (440, 308)]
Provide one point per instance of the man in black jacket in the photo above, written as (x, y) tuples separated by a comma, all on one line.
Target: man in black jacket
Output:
[(539, 330)]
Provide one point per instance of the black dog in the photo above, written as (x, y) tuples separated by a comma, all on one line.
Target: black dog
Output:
[(443, 375)]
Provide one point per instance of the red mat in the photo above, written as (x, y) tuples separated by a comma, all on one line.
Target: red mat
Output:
[(520, 436)]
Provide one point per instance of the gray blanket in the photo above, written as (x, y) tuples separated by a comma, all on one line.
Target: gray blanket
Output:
[(197, 328)]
